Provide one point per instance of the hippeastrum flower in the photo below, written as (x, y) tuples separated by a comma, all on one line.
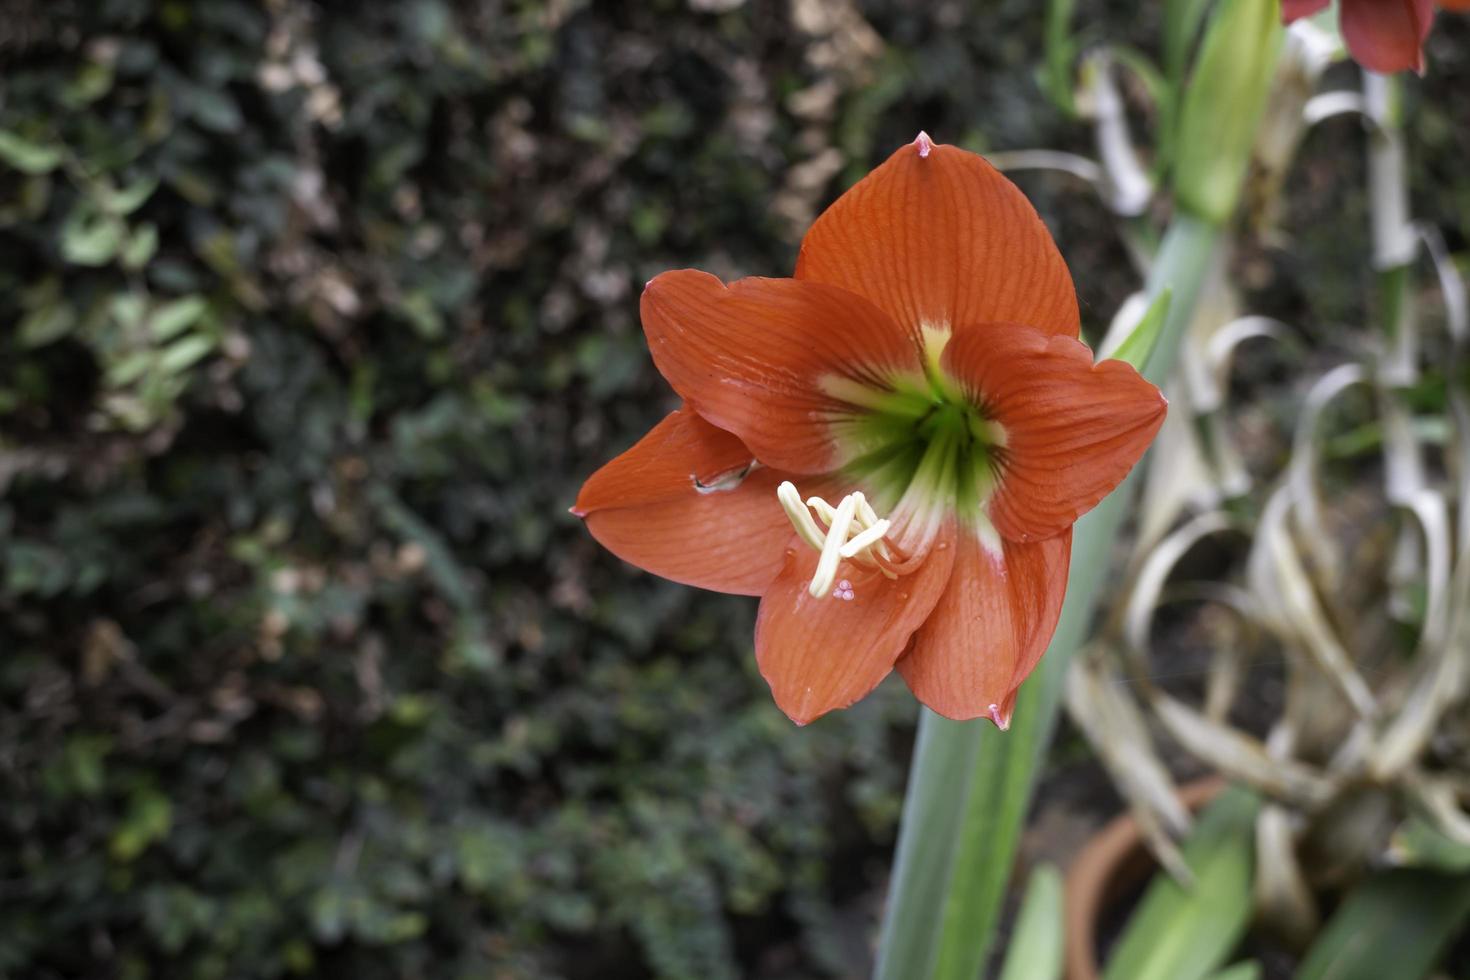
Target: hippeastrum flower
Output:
[(1383, 35), (922, 370)]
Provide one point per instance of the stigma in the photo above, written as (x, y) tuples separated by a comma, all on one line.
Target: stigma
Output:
[(851, 531)]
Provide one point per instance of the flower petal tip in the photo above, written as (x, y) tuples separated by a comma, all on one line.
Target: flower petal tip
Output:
[(1002, 721), (924, 143), (576, 511)]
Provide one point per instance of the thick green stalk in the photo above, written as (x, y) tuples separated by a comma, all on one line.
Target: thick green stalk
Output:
[(1394, 249), (970, 785), (948, 888)]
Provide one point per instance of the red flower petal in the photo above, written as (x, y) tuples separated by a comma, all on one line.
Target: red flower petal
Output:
[(937, 236), (752, 358), (646, 507), (1386, 35), (1455, 4), (990, 627), (1297, 9), (821, 654), (1073, 429)]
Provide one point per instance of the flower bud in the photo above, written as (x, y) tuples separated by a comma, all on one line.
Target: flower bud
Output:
[(1223, 103)]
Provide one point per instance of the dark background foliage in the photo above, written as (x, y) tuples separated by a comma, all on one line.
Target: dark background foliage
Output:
[(315, 316)]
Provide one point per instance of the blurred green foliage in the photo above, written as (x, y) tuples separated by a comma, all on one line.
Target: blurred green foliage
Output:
[(320, 315), (314, 318)]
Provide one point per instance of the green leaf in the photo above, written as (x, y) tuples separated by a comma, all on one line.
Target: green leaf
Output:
[(1036, 946), (26, 156), (1244, 970), (91, 239), (46, 324), (1186, 933), (148, 819), (418, 309), (174, 317), (1061, 54), (128, 199), (128, 309), (141, 246), (1416, 843), (215, 110), (183, 353), (1394, 924), (129, 368), (1144, 70), (1139, 345), (91, 83), (1181, 25)]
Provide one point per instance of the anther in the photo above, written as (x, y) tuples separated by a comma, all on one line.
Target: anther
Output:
[(801, 518)]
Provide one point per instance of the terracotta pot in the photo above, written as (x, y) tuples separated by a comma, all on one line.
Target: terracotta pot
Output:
[(1112, 862)]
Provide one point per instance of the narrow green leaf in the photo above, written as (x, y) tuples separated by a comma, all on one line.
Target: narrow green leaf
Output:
[(1061, 53), (1182, 19), (1180, 933), (1416, 843), (129, 368), (1144, 70), (1395, 924), (27, 156), (184, 353), (1139, 345), (1245, 970), (176, 316), (1181, 25), (1036, 945)]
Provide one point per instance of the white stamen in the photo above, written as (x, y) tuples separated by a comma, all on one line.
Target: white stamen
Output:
[(865, 539), (831, 548), (801, 518), (854, 533), (826, 513)]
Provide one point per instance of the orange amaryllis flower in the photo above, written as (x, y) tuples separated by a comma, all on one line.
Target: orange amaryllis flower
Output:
[(923, 371), (1383, 35)]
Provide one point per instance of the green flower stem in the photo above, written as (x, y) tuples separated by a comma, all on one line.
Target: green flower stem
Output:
[(1394, 248), (970, 785)]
